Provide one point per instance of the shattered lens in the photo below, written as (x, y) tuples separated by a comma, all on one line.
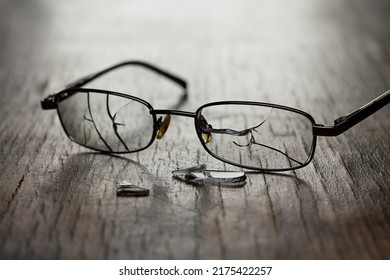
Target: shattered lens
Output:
[(256, 136), (106, 122)]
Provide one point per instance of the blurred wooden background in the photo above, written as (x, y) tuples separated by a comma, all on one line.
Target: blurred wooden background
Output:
[(57, 200)]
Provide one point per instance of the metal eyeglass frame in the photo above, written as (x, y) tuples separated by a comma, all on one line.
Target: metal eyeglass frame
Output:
[(341, 124)]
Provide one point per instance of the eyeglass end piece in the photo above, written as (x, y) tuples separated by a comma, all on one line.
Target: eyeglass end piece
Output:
[(49, 103)]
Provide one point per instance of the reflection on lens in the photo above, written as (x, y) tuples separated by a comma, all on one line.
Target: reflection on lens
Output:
[(106, 122), (255, 136)]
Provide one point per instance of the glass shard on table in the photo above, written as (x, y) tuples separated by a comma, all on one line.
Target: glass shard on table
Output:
[(127, 189), (200, 176)]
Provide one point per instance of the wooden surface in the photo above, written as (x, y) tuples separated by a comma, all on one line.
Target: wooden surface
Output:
[(57, 200)]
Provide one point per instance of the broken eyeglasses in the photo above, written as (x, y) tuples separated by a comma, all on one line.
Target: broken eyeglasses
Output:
[(252, 135)]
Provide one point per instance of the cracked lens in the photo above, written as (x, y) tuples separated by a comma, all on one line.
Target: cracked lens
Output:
[(258, 135), (106, 122)]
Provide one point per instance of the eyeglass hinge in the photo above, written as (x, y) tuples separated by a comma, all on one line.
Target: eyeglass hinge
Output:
[(325, 130), (49, 103)]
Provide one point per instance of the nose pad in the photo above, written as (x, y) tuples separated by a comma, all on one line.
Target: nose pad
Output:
[(163, 126), (204, 126), (206, 137)]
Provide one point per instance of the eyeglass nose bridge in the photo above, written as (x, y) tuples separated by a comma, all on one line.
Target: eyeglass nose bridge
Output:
[(162, 126)]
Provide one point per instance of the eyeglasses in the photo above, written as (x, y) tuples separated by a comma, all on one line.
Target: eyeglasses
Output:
[(252, 135)]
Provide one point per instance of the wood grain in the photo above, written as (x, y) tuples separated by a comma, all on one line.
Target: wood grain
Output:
[(57, 200)]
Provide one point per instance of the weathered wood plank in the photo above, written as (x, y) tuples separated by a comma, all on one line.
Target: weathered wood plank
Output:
[(57, 200)]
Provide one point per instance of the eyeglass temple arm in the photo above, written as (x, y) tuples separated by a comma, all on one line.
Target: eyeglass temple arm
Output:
[(89, 78), (47, 103), (346, 122)]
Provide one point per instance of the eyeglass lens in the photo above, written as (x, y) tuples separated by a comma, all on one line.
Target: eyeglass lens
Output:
[(106, 122), (261, 137)]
